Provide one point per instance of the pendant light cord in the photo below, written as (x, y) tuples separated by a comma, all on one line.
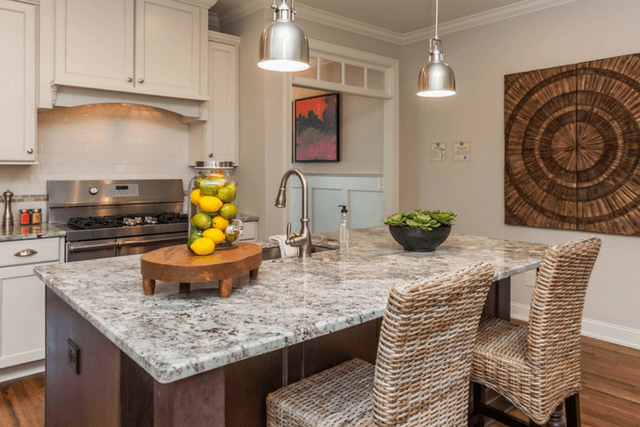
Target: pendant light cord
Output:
[(436, 37)]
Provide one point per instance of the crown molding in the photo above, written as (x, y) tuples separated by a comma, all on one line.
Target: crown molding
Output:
[(242, 8), (214, 20), (347, 24), (200, 3), (505, 12), (246, 7), (219, 37)]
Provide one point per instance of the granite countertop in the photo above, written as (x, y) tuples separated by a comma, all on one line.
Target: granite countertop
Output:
[(24, 232), (174, 336)]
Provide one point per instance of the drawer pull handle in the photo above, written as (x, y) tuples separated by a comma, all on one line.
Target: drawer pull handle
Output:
[(25, 252)]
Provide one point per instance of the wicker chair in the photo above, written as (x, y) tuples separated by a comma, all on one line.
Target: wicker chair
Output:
[(537, 366), (421, 376)]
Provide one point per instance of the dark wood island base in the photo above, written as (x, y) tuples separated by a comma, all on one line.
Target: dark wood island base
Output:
[(111, 389)]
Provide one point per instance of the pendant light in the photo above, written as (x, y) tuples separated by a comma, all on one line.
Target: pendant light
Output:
[(284, 45), (436, 78)]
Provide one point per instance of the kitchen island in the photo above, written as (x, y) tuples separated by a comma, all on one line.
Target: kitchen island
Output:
[(191, 358)]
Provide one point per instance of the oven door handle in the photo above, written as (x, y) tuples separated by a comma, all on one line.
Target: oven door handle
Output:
[(144, 242), (73, 248)]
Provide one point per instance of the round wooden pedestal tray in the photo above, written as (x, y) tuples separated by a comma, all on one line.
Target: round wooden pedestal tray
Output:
[(179, 264)]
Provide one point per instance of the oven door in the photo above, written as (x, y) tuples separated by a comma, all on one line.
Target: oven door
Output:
[(93, 249), (143, 244)]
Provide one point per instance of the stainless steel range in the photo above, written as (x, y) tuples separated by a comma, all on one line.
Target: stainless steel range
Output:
[(117, 217)]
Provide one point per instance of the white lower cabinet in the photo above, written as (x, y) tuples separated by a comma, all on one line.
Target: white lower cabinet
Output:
[(22, 305)]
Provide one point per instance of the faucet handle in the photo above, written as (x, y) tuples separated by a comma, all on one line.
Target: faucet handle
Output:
[(288, 230)]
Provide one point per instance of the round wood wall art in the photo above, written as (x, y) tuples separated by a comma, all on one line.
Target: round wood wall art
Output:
[(572, 147)]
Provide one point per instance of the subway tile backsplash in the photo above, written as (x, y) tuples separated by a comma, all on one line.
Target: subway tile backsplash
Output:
[(101, 141)]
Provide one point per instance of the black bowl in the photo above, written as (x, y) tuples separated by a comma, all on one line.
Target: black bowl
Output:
[(418, 240)]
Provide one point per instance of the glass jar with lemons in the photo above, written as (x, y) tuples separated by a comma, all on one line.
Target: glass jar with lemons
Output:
[(213, 209)]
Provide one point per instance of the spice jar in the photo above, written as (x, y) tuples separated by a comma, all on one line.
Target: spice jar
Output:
[(212, 208), (25, 218), (36, 217)]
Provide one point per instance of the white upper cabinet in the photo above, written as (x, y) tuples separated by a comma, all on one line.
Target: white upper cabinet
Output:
[(148, 47), (94, 43), (168, 47), (217, 139), (17, 82)]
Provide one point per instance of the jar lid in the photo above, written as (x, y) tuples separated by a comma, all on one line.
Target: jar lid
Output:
[(214, 164), (24, 210), (37, 210)]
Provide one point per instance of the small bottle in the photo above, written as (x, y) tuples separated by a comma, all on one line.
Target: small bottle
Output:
[(25, 218), (344, 229), (36, 217)]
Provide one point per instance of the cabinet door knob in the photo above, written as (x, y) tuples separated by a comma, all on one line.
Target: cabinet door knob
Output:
[(210, 154), (25, 252), (30, 151), (129, 79), (140, 80)]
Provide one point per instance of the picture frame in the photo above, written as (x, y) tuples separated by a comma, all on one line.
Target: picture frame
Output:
[(317, 129)]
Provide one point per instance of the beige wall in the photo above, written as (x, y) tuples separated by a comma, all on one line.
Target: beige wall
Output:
[(571, 33), (361, 123), (265, 125)]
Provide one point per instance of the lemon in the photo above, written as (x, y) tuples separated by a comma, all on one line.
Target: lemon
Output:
[(231, 237), (201, 221), (203, 246), (220, 223), (216, 235), (228, 210), (195, 196), (210, 203)]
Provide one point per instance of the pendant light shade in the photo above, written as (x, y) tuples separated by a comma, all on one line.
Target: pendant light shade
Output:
[(284, 46), (436, 78)]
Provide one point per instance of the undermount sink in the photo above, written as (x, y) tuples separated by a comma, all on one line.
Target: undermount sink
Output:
[(273, 253)]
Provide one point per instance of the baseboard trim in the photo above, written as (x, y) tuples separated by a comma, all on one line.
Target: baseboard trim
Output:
[(26, 369), (602, 331)]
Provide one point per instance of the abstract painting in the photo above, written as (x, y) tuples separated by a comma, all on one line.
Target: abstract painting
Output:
[(572, 147), (317, 129)]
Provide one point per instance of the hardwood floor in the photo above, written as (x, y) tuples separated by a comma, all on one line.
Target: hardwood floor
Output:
[(610, 396), (22, 402)]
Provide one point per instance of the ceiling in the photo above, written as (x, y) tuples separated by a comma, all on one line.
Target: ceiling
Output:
[(400, 16)]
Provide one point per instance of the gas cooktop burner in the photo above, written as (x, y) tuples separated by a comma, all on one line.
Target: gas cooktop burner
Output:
[(113, 221)]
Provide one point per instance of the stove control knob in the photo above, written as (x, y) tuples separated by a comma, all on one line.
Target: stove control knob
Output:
[(93, 190)]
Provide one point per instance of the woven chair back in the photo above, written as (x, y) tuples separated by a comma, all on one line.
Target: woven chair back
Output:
[(424, 354), (555, 318)]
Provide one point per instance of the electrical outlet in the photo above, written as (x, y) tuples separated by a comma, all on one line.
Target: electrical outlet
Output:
[(530, 278), (73, 356)]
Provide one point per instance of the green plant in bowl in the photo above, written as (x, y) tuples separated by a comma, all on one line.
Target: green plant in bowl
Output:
[(420, 230)]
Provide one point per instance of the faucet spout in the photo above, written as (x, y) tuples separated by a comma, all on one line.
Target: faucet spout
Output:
[(303, 239)]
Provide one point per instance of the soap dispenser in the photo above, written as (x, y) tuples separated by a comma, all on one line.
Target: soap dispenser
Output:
[(344, 229)]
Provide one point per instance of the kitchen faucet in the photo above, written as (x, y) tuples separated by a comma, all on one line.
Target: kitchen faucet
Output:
[(303, 239)]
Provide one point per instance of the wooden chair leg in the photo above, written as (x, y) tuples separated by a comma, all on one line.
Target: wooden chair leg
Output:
[(572, 406), (477, 397)]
